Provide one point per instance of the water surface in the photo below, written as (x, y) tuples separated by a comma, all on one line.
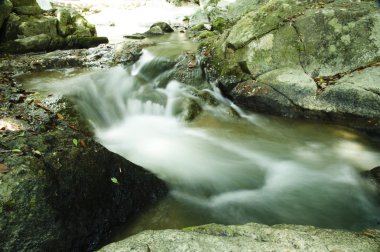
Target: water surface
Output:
[(226, 166)]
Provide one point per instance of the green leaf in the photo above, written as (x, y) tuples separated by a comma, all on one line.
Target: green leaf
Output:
[(75, 142), (114, 180), (16, 151)]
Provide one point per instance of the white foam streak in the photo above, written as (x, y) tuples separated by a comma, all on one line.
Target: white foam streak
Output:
[(268, 172)]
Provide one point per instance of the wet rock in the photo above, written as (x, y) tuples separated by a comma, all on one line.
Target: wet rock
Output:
[(286, 91), (374, 176), (61, 191), (159, 28), (262, 98), (186, 69), (129, 51), (249, 237), (190, 109)]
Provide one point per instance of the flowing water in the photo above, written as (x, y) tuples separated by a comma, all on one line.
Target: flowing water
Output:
[(227, 165)]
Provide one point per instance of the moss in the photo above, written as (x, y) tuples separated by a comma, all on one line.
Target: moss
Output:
[(198, 27), (267, 18), (205, 34), (220, 24)]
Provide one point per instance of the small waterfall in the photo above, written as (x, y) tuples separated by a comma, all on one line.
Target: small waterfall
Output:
[(235, 169)]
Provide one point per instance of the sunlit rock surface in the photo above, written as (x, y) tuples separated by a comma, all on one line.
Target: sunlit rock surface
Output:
[(249, 237), (329, 43)]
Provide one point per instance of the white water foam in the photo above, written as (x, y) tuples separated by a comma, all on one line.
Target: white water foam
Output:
[(242, 171)]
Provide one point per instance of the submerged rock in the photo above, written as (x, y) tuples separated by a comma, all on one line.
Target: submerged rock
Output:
[(159, 28), (374, 176), (249, 237)]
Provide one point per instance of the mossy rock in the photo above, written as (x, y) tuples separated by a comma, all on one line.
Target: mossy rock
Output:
[(5, 10), (59, 191)]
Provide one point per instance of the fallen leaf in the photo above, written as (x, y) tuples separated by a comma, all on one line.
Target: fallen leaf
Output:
[(60, 116), (4, 168), (82, 143)]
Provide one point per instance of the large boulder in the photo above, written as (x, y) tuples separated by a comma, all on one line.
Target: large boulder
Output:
[(66, 29), (59, 189), (70, 22), (35, 25), (301, 58), (249, 237)]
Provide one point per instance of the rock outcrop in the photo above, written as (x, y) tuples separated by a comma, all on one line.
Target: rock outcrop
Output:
[(249, 237), (309, 59), (25, 27)]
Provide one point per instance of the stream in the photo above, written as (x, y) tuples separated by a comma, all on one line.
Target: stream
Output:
[(227, 165)]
